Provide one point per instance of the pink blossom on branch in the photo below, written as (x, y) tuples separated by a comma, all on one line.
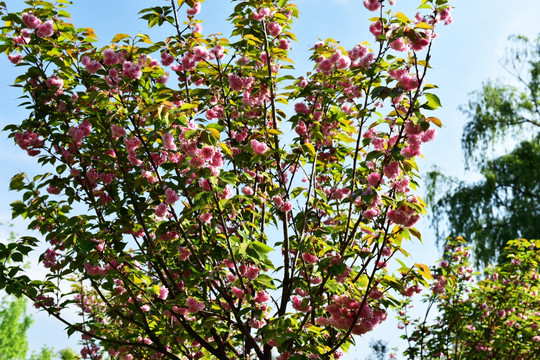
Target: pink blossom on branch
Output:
[(372, 5), (45, 30), (195, 9), (274, 29), (236, 82), (131, 147), (30, 20), (258, 147)]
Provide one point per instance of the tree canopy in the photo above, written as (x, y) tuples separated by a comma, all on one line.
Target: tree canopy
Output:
[(14, 322), (503, 204), (162, 199)]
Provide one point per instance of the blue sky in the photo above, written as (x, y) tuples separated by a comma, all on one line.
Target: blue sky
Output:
[(466, 54)]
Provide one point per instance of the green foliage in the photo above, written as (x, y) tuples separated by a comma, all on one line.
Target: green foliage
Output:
[(504, 203), (497, 318), (46, 353), (379, 349), (14, 322), (68, 354), (187, 219)]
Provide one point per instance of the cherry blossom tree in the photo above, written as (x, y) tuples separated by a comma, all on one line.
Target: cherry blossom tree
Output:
[(195, 215), (497, 318)]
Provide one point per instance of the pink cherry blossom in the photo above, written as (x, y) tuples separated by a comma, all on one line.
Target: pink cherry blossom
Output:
[(183, 253), (297, 305), (161, 210), (170, 196), (274, 29), (131, 70), (261, 14), (55, 82), (309, 258), (372, 5), (163, 293), (194, 10), (287, 206), (194, 306), (236, 82), (45, 30), (376, 28), (239, 293), (205, 217), (30, 20), (252, 272), (373, 179), (391, 170), (262, 297), (168, 141), (343, 62), (117, 131), (258, 147), (420, 42), (429, 135), (399, 45), (15, 58), (284, 44), (110, 57)]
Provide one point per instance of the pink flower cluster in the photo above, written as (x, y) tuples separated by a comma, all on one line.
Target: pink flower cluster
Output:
[(96, 270), (404, 215), (194, 10), (416, 41), (406, 80), (92, 66), (30, 20), (261, 14), (45, 29), (15, 59), (194, 306), (372, 5), (110, 57), (344, 311), (170, 196), (274, 29), (300, 305), (55, 83), (258, 147), (338, 60), (415, 137), (30, 142), (282, 205), (361, 56), (79, 132), (236, 82), (50, 260)]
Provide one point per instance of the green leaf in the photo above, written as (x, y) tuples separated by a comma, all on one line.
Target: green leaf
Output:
[(433, 101), (261, 247), (17, 182), (119, 37), (308, 147)]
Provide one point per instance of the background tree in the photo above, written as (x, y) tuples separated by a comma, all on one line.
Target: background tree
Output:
[(496, 318), (379, 350), (504, 204), (68, 354), (14, 322)]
